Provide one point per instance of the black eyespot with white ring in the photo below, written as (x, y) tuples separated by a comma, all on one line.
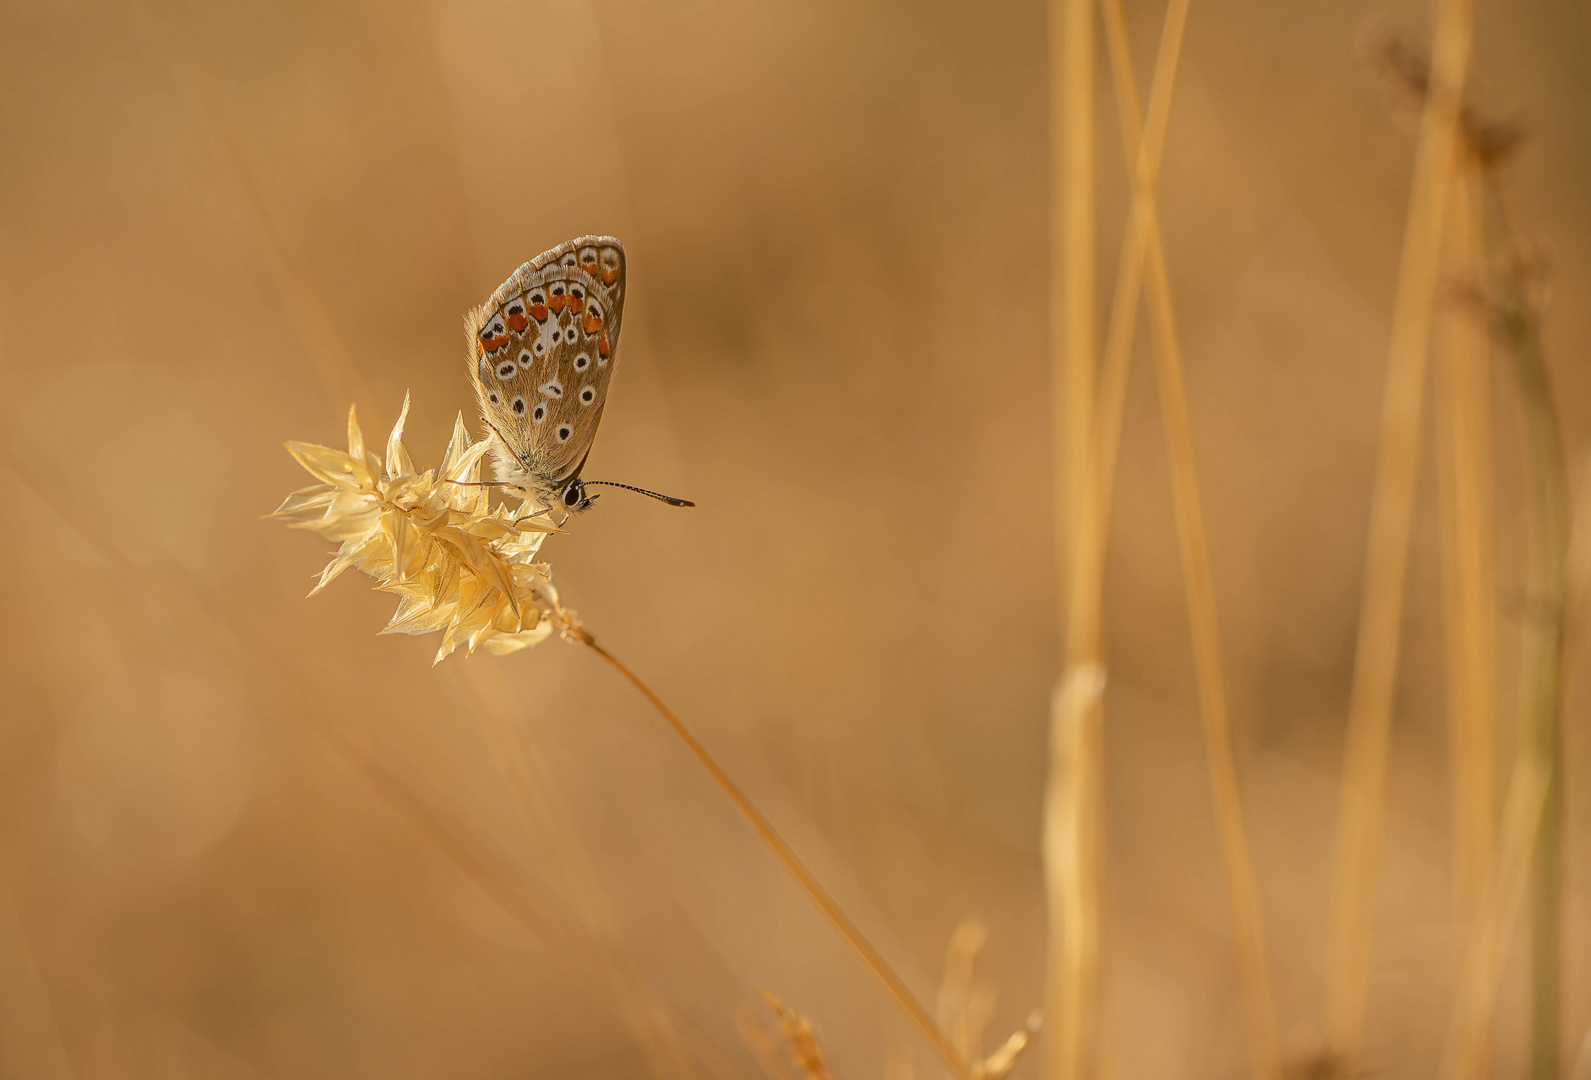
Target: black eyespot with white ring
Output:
[(582, 362), (587, 396), (519, 406), (564, 431), (539, 413)]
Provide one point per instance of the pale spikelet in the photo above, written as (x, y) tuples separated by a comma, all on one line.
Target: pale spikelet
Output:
[(800, 1041), (966, 1003), (457, 564)]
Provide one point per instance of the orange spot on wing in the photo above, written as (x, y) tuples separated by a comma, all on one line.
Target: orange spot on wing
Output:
[(517, 323), (539, 311), (592, 324), (602, 346), (557, 302), (495, 343), (577, 303), (610, 276)]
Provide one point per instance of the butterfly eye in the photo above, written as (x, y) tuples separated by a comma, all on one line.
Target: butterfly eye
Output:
[(571, 494)]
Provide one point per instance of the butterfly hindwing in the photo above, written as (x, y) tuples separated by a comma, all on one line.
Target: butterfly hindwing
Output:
[(542, 353)]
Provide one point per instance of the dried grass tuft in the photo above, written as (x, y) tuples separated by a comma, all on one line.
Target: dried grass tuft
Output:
[(457, 564)]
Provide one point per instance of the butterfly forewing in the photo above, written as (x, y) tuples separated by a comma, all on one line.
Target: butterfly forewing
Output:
[(542, 353)]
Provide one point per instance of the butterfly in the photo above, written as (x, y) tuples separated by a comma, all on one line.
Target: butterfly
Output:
[(542, 352)]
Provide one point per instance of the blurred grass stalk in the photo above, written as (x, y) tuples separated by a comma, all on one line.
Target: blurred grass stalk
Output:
[(1517, 327), (1088, 437), (1072, 792), (1465, 491), (1376, 657), (1143, 150)]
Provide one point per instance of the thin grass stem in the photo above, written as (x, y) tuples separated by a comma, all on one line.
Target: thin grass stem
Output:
[(1380, 617), (1144, 142), (1499, 909), (782, 851), (1248, 926), (1072, 798), (1517, 327), (1464, 460)]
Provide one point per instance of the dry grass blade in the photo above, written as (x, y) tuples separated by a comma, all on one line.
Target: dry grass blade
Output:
[(1469, 584), (787, 857), (1376, 658), (1248, 926), (1071, 799), (1143, 142), (1143, 145), (1499, 911), (1517, 325)]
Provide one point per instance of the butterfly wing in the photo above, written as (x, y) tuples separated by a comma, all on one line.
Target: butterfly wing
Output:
[(542, 353)]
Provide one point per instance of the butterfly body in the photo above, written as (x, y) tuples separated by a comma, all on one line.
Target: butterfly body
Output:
[(542, 353)]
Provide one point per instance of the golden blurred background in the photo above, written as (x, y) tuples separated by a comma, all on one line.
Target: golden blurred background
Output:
[(245, 837)]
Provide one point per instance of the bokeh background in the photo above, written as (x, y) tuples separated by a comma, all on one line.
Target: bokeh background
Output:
[(241, 836)]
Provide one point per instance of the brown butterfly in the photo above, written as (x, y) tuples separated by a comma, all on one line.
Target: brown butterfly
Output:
[(542, 353)]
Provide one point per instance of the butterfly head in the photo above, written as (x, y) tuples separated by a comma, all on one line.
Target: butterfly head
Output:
[(574, 499)]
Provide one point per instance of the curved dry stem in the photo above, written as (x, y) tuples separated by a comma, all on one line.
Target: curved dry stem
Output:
[(788, 859), (1386, 559)]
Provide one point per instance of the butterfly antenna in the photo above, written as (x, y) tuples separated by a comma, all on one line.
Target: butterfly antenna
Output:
[(642, 491)]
